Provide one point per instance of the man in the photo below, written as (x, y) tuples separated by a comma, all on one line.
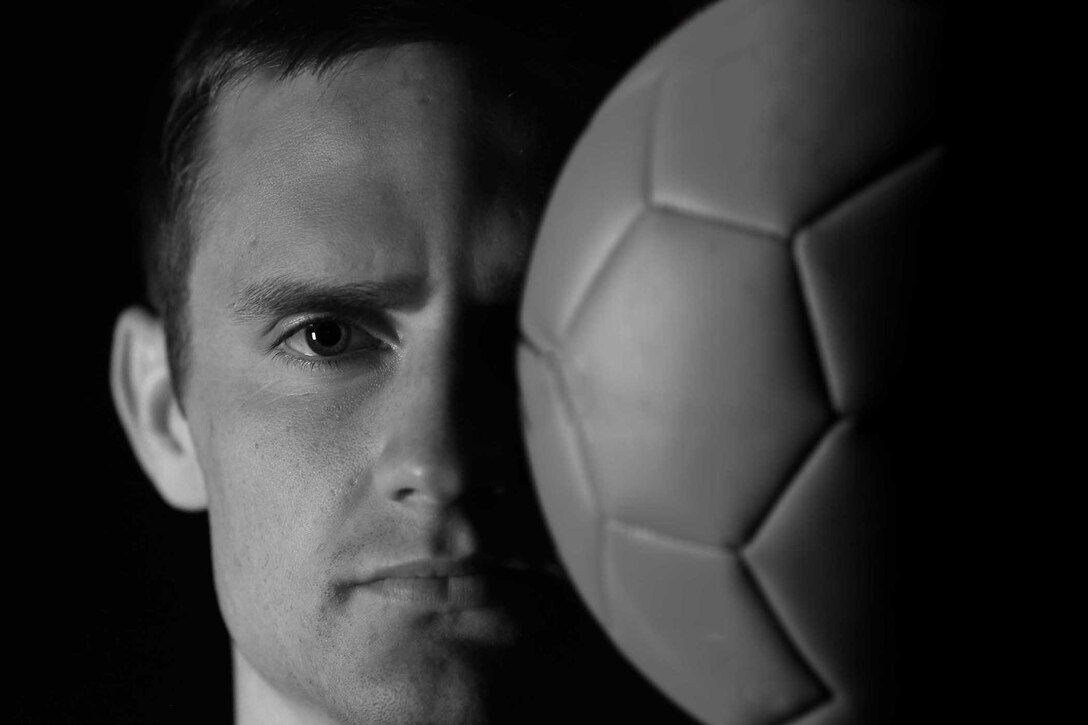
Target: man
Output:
[(351, 195)]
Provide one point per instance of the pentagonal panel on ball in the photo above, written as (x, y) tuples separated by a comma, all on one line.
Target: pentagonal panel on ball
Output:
[(857, 269), (693, 379), (795, 111), (691, 618)]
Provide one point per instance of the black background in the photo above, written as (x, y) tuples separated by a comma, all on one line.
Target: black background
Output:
[(116, 619)]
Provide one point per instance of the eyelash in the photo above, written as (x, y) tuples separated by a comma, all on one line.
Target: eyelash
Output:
[(309, 364), (319, 364)]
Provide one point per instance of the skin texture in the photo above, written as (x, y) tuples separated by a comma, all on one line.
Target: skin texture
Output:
[(395, 182)]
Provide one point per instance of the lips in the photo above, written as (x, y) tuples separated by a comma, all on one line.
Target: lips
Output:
[(453, 584), (456, 592)]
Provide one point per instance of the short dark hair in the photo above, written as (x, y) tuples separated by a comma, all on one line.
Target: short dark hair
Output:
[(528, 44)]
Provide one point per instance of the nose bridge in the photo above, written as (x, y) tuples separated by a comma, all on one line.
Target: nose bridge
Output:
[(424, 460)]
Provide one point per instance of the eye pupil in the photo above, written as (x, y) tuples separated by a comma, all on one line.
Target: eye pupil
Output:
[(327, 337)]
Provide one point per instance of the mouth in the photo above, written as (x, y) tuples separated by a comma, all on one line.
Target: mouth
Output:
[(456, 584)]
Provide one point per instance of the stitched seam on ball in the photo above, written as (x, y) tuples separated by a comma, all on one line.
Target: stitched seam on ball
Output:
[(566, 400), (596, 281), (835, 394), (702, 216), (915, 155), (796, 470), (595, 278), (817, 337), (672, 539), (820, 704), (649, 166), (652, 199), (837, 428), (827, 695), (815, 333)]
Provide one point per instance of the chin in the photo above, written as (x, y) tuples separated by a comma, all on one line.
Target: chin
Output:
[(506, 675), (428, 685)]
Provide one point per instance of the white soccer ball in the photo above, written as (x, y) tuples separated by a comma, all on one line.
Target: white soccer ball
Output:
[(714, 322)]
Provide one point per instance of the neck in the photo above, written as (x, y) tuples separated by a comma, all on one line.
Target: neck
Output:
[(258, 703)]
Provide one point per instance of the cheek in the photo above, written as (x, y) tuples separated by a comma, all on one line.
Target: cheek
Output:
[(279, 471)]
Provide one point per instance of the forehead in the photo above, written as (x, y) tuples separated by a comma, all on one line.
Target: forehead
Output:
[(385, 165)]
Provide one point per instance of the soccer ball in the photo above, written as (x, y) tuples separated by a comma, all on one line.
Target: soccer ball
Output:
[(713, 324)]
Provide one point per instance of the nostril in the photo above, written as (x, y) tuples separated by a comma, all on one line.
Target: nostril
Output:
[(426, 484)]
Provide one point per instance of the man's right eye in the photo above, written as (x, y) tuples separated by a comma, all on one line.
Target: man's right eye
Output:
[(327, 338)]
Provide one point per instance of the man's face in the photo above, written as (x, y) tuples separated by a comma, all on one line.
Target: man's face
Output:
[(350, 394)]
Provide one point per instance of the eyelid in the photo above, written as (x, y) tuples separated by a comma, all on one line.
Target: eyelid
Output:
[(368, 358), (291, 325)]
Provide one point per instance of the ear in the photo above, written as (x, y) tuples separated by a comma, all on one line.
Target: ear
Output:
[(150, 413)]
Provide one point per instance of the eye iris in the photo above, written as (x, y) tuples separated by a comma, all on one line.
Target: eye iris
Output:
[(327, 337)]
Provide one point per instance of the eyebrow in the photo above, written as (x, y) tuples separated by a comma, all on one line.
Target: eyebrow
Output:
[(280, 296)]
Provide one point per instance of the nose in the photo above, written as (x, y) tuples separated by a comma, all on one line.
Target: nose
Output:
[(450, 422), (421, 462), (419, 466)]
